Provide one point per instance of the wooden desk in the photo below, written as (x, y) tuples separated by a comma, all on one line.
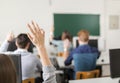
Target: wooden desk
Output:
[(96, 80)]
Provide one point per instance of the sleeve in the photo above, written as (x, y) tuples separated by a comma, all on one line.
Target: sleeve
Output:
[(69, 59), (49, 74), (4, 46), (38, 63), (98, 52)]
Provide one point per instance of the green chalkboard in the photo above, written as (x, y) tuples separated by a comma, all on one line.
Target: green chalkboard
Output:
[(75, 22)]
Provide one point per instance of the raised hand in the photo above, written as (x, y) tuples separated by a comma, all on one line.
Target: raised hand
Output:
[(10, 37), (37, 35), (66, 44)]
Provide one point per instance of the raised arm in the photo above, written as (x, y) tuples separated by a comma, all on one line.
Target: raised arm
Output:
[(37, 36), (5, 44)]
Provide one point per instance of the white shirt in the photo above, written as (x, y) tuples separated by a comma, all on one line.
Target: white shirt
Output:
[(30, 63)]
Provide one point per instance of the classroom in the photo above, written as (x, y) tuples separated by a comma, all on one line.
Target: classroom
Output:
[(101, 18)]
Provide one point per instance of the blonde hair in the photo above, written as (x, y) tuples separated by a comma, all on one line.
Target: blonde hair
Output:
[(83, 35)]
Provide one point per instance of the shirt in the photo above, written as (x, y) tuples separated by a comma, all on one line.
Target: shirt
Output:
[(30, 63), (81, 49)]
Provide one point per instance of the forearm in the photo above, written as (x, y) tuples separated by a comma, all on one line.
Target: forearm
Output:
[(65, 55), (49, 74), (48, 68), (4, 46), (37, 37), (44, 57)]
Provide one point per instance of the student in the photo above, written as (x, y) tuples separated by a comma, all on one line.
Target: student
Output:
[(30, 63), (83, 38), (37, 37), (65, 38), (7, 70), (12, 46)]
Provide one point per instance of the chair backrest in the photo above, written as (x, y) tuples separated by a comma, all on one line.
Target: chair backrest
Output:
[(87, 74), (85, 61), (30, 80)]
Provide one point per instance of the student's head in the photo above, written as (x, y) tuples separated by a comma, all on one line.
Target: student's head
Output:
[(83, 36), (7, 70), (22, 41), (66, 35)]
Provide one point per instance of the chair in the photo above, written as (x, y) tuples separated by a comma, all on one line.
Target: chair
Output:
[(87, 74), (30, 80), (84, 62)]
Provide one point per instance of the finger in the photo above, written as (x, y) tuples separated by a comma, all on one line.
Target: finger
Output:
[(42, 31), (12, 34), (35, 29), (30, 37), (31, 29), (38, 28)]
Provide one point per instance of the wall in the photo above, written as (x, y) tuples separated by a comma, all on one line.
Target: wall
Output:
[(15, 14), (112, 8)]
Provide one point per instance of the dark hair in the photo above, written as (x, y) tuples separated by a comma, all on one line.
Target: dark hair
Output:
[(7, 70), (22, 40), (12, 46), (67, 35)]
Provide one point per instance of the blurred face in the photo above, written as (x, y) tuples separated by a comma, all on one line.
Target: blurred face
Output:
[(63, 36)]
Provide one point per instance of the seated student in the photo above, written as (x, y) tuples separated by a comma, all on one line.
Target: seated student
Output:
[(30, 63), (12, 46), (83, 38), (37, 37), (66, 38)]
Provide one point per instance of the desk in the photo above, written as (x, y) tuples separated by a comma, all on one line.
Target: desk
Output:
[(99, 62), (105, 65), (96, 80)]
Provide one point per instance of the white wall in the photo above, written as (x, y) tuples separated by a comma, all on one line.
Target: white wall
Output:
[(15, 14), (112, 8)]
